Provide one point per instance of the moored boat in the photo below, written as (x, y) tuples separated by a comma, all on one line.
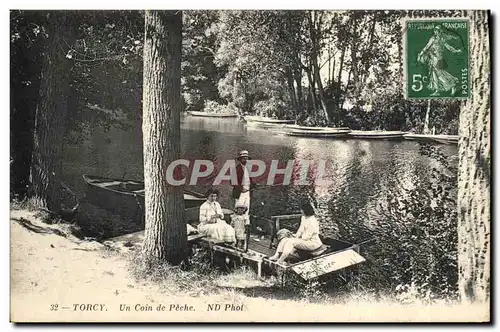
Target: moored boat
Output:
[(444, 139), (320, 132), (298, 127), (264, 122), (213, 115), (126, 197), (376, 134)]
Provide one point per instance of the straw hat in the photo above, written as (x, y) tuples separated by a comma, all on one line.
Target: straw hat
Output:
[(240, 205), (243, 153)]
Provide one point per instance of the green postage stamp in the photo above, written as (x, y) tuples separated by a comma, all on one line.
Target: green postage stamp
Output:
[(436, 58)]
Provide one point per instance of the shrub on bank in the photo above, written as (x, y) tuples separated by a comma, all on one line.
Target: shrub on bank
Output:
[(211, 106), (417, 236)]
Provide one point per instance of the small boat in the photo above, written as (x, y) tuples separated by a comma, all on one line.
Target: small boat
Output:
[(213, 115), (126, 197), (315, 128), (376, 134), (323, 132), (265, 122), (444, 139)]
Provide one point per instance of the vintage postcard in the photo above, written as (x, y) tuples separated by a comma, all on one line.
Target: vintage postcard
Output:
[(250, 166)]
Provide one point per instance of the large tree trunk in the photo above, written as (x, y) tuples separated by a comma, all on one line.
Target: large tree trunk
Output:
[(165, 233), (26, 66), (51, 112), (474, 170)]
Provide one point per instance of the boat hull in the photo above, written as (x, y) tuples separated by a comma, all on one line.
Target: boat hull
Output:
[(129, 203), (381, 135), (213, 115), (443, 139), (266, 122)]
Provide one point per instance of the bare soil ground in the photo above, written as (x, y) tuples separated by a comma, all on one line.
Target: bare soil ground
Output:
[(55, 275)]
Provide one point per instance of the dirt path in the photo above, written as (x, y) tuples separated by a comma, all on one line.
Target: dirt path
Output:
[(49, 270)]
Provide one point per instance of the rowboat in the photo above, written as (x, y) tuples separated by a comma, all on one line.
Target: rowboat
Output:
[(322, 132), (376, 134), (213, 115), (314, 128), (264, 122), (445, 139), (126, 197), (334, 256)]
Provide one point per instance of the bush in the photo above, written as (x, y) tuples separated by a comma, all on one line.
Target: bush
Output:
[(273, 108), (417, 238), (214, 107)]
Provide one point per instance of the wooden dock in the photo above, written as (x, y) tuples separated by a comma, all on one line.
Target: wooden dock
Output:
[(334, 255)]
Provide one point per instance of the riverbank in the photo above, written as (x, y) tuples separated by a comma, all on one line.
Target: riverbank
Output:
[(56, 276)]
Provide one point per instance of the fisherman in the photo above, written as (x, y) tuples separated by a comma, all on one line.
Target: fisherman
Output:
[(242, 190)]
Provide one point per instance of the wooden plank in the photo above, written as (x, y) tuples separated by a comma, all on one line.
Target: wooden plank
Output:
[(287, 216), (136, 238), (249, 255), (194, 237), (327, 264)]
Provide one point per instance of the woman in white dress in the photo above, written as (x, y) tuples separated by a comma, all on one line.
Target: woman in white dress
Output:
[(306, 238), (212, 223)]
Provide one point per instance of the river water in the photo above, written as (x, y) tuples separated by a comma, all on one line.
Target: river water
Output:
[(362, 173)]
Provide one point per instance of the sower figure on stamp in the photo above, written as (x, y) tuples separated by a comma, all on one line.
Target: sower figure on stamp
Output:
[(433, 55), (242, 190)]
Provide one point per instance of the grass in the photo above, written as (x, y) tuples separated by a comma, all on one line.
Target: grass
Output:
[(201, 283), (201, 278)]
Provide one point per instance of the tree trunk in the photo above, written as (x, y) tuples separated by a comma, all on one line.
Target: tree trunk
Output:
[(367, 60), (297, 75), (332, 80), (354, 59), (339, 80), (401, 84), (321, 93), (329, 81), (165, 233), (427, 116), (346, 88), (291, 89), (311, 88), (474, 170), (51, 112)]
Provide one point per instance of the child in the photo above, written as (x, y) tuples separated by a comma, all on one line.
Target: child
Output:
[(240, 221)]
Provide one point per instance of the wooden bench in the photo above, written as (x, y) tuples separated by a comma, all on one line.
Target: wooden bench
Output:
[(276, 224)]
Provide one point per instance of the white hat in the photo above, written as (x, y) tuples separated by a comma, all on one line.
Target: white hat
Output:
[(240, 205), (243, 153)]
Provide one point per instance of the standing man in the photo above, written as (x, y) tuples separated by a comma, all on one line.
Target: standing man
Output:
[(241, 191)]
